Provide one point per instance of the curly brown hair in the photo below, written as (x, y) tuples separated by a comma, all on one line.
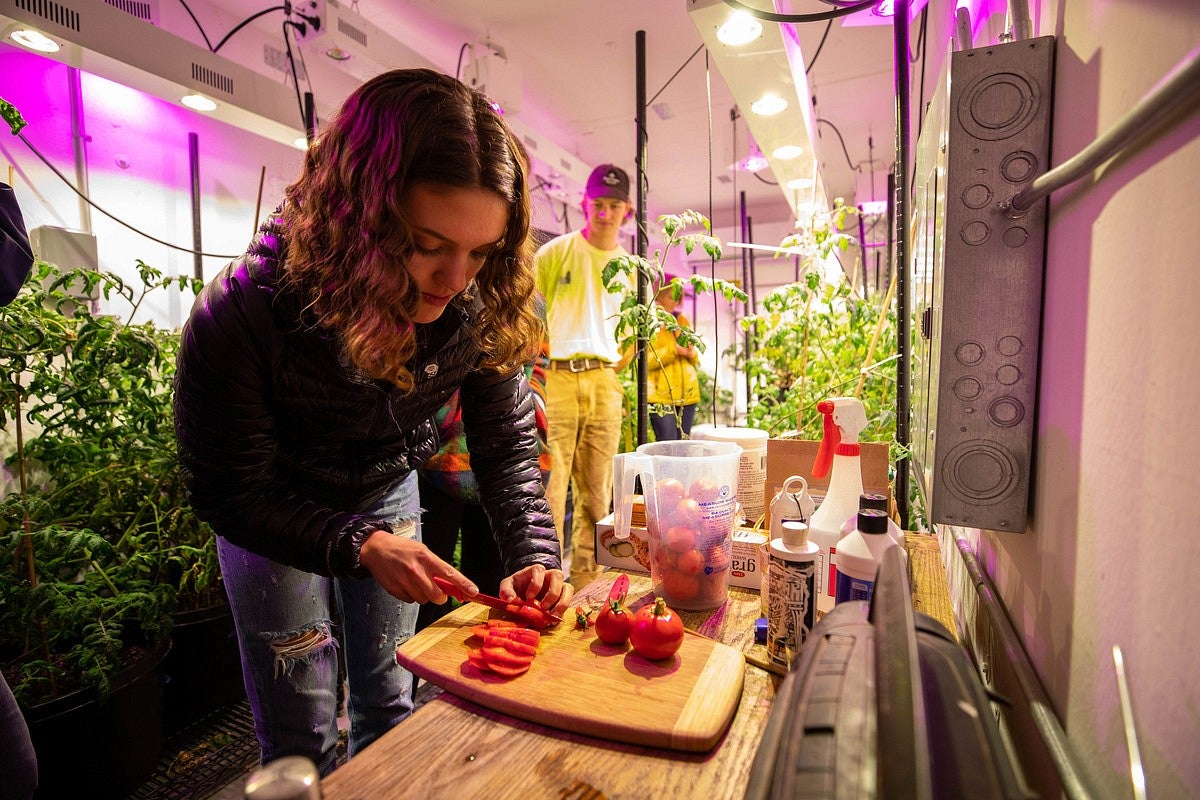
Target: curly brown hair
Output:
[(347, 230)]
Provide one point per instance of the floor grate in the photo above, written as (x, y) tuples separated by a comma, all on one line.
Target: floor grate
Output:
[(204, 757)]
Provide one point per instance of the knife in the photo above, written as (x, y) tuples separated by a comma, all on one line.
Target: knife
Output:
[(486, 599)]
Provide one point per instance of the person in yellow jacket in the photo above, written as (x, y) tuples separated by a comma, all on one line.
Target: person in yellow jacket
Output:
[(672, 385)]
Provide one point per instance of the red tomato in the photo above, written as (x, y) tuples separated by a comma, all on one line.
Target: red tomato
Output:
[(681, 539), (703, 491), (657, 631), (679, 587), (613, 622), (667, 494), (690, 563), (531, 614), (687, 514)]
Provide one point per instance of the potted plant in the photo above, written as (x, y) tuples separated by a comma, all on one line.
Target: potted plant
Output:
[(638, 321), (98, 543)]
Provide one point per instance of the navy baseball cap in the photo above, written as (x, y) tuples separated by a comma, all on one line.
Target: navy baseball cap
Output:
[(608, 180)]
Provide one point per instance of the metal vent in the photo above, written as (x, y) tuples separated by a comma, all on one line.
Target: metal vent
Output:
[(212, 78), (52, 12), (135, 8), (275, 58), (530, 142), (351, 31)]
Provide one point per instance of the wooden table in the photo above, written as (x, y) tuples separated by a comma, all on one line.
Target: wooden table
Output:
[(454, 748)]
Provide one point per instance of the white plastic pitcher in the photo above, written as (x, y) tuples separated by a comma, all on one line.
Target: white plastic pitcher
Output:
[(690, 489)]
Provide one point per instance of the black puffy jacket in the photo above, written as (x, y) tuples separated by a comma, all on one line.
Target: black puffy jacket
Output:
[(282, 441)]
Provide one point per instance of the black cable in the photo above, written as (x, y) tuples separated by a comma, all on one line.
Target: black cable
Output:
[(246, 22), (458, 68), (770, 16), (668, 83), (199, 27), (295, 78), (108, 214), (820, 46), (852, 165), (764, 180)]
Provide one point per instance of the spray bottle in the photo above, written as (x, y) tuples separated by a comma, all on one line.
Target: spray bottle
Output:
[(845, 419)]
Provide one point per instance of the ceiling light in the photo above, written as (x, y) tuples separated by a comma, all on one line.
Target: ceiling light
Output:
[(754, 162), (800, 183), (337, 53), (741, 28), (301, 143), (768, 105), (198, 102), (787, 152), (35, 40)]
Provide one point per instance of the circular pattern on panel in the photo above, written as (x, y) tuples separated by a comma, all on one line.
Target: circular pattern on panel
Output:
[(998, 105), (967, 388), (1018, 166), (976, 195), (975, 233), (1006, 411), (969, 352), (1008, 374), (1015, 236), (1009, 345), (980, 471)]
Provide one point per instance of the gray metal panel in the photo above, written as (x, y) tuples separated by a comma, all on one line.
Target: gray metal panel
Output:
[(999, 140)]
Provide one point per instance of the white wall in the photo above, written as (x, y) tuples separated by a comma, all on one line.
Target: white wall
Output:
[(1112, 550)]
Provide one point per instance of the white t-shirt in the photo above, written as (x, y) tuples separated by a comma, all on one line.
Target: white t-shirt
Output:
[(581, 317)]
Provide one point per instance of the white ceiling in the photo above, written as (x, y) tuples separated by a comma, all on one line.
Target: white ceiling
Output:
[(578, 69)]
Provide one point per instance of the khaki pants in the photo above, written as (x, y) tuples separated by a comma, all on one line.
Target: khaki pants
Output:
[(583, 414)]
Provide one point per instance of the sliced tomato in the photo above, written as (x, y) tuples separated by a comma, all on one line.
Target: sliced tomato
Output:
[(496, 654), (527, 635), (480, 631), (512, 644), (475, 656), (509, 671)]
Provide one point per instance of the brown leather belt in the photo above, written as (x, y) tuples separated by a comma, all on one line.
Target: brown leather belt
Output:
[(578, 364)]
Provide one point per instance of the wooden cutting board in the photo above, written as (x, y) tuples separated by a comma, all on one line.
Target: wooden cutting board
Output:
[(579, 684)]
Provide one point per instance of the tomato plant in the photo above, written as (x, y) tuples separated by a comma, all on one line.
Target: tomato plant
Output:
[(656, 632)]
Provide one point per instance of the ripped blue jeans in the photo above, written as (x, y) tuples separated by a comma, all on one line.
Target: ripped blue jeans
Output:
[(288, 645)]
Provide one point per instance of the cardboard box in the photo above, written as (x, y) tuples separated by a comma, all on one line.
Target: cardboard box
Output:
[(787, 457), (634, 553)]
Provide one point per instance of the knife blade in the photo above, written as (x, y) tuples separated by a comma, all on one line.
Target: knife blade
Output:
[(486, 599)]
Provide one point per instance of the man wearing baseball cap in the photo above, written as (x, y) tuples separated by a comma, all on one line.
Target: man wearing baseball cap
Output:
[(584, 399)]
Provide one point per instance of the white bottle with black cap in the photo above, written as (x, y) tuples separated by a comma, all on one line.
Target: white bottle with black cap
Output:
[(859, 554), (791, 601), (879, 501)]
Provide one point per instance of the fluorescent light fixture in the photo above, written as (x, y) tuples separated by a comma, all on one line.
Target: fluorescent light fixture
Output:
[(741, 28), (800, 183), (198, 102), (755, 162), (768, 105), (35, 40), (787, 152), (766, 247), (874, 207), (301, 143)]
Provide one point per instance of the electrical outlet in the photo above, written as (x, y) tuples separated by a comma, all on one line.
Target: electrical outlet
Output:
[(313, 15)]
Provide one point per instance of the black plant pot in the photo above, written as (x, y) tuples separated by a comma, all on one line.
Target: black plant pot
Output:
[(101, 749), (203, 670)]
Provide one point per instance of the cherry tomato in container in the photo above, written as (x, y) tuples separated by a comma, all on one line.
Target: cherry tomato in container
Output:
[(657, 631)]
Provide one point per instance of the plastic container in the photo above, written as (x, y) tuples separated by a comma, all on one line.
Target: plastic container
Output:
[(690, 490), (839, 458), (791, 605), (752, 467), (859, 554), (878, 501), (791, 502)]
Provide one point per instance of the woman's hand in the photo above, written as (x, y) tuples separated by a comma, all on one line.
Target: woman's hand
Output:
[(405, 568), (547, 587)]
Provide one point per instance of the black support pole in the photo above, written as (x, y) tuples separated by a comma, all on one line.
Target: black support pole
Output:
[(194, 167), (643, 419), (900, 56), (745, 234)]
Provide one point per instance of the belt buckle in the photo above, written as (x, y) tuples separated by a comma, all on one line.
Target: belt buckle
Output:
[(582, 362)]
